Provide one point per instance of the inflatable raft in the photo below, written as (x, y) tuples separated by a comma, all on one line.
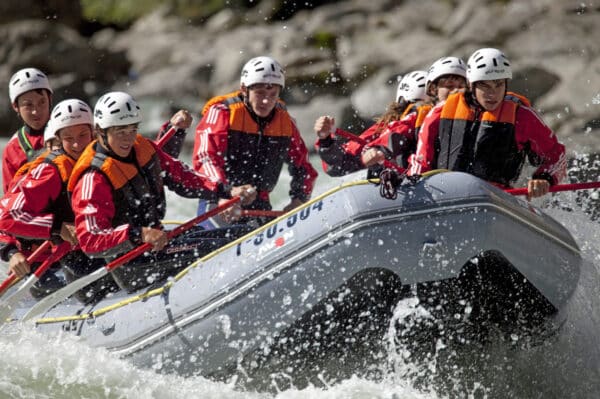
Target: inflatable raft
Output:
[(344, 259)]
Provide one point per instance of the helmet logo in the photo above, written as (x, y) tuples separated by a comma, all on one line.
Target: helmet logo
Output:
[(494, 71), (127, 116), (272, 75), (26, 82), (67, 117)]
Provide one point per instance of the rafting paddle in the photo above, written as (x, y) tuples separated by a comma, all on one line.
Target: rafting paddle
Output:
[(12, 278), (251, 213), (166, 137), (8, 304), (256, 213), (558, 187), (58, 296)]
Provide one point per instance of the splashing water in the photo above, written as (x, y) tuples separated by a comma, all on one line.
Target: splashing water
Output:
[(564, 364)]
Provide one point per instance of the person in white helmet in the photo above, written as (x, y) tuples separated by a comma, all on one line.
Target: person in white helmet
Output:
[(446, 76), (37, 207), (31, 98), (392, 137), (118, 196), (489, 132), (246, 136)]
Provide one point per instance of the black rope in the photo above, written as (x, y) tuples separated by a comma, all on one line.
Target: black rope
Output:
[(389, 180)]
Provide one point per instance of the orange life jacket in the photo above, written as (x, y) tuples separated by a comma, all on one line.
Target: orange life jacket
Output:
[(138, 192), (480, 142), (403, 148), (256, 147), (422, 111), (61, 207), (23, 170)]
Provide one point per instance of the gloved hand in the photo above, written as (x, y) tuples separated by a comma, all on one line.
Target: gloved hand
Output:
[(372, 156), (182, 119), (324, 126)]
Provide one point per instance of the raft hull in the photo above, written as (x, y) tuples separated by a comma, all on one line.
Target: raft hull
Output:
[(233, 309)]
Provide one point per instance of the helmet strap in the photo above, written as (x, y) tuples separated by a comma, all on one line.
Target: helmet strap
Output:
[(245, 94), (102, 137)]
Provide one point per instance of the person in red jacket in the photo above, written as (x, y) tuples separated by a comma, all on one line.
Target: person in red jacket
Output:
[(244, 137), (397, 139), (447, 75), (392, 137), (31, 98), (118, 197), (37, 207), (489, 132)]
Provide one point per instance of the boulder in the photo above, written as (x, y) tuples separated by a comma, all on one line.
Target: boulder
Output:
[(340, 57)]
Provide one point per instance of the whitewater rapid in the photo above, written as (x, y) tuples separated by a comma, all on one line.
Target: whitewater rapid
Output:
[(567, 364)]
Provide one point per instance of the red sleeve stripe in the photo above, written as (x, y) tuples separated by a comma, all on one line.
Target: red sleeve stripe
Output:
[(203, 156), (88, 184), (213, 115), (20, 215)]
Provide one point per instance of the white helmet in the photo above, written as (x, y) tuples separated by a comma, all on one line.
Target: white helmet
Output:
[(262, 70), (25, 80), (68, 113), (116, 109), (446, 66), (49, 132), (488, 64), (412, 86)]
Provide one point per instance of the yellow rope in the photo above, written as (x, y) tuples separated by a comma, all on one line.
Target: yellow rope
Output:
[(178, 222)]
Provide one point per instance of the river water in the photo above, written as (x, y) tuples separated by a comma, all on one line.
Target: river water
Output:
[(563, 365)]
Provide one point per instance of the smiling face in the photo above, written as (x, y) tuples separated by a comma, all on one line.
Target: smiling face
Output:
[(262, 98), (490, 93), (34, 107), (121, 139), (74, 139)]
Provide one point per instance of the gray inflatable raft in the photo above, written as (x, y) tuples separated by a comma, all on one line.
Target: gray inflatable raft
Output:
[(347, 253)]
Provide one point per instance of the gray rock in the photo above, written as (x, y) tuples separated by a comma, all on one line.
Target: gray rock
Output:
[(340, 58), (371, 98), (306, 115)]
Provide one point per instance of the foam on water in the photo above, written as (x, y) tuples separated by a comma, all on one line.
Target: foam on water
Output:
[(38, 366)]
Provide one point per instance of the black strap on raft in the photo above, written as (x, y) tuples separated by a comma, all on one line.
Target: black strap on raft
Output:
[(389, 180)]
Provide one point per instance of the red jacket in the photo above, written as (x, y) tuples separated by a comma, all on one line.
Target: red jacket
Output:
[(231, 147), (105, 227), (340, 158), (532, 138), (397, 139), (14, 156), (37, 204)]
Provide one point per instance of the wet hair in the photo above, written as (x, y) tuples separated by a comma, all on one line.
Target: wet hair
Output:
[(394, 111)]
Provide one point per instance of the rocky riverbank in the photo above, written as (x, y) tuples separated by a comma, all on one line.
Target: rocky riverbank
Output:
[(341, 58)]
